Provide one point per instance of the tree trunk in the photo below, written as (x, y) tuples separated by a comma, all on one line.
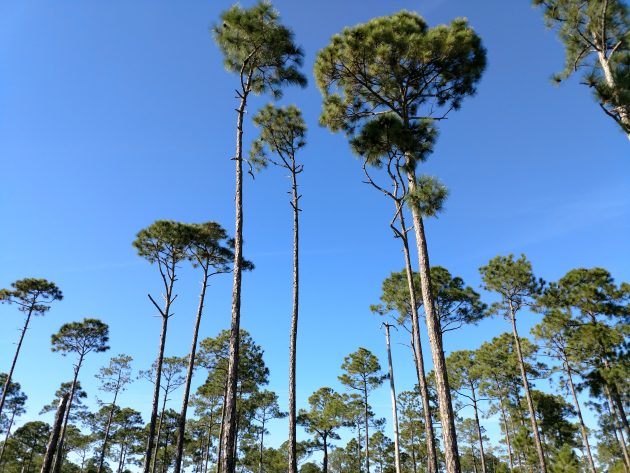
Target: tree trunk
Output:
[(367, 430), (6, 438), (146, 468), (507, 435), (583, 429), (615, 416), (101, 458), (228, 439), (120, 457), (51, 448), (432, 466), (392, 390), (622, 110), (294, 326), (60, 453), (447, 415), (261, 448), (7, 383), (181, 426), (159, 432), (479, 434), (528, 396), (325, 460)]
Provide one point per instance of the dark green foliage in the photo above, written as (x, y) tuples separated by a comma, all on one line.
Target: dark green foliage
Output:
[(32, 294), (90, 335), (258, 48), (596, 36), (456, 303)]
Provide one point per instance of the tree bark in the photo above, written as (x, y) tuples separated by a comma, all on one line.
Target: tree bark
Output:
[(622, 110), (261, 449), (101, 459), (159, 432), (60, 453), (51, 448), (367, 429), (294, 325), (6, 438), (228, 440), (479, 434), (530, 403), (618, 426), (7, 383), (146, 468), (432, 466), (447, 415), (507, 435), (392, 390), (583, 429), (181, 426)]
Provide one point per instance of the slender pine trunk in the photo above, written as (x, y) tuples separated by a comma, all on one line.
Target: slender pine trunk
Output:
[(101, 459), (146, 468), (623, 110), (367, 431), (507, 434), (392, 390), (53, 440), (447, 414), (432, 466), (228, 440), (120, 457), (325, 460), (59, 457), (578, 410), (530, 403), (618, 426), (479, 434), (159, 431), (6, 438), (181, 425), (7, 382), (294, 326), (261, 448)]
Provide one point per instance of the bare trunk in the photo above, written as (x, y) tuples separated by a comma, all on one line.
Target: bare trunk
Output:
[(60, 453), (228, 439), (507, 435), (146, 468), (159, 432), (294, 328), (261, 449), (6, 438), (432, 466), (583, 429), (615, 416), (181, 426), (51, 448), (7, 383), (479, 434), (101, 459), (367, 428), (622, 110), (392, 390), (447, 415), (121, 456), (528, 396), (325, 460)]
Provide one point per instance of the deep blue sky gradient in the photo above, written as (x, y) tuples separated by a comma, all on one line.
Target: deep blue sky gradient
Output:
[(115, 114)]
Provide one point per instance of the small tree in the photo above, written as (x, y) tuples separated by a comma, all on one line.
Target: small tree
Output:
[(15, 401), (33, 297), (79, 338), (210, 250), (595, 35), (114, 379), (326, 415), (164, 243), (282, 132), (257, 47), (517, 286), (363, 374)]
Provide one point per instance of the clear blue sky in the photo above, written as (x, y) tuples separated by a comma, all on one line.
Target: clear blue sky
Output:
[(115, 114)]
